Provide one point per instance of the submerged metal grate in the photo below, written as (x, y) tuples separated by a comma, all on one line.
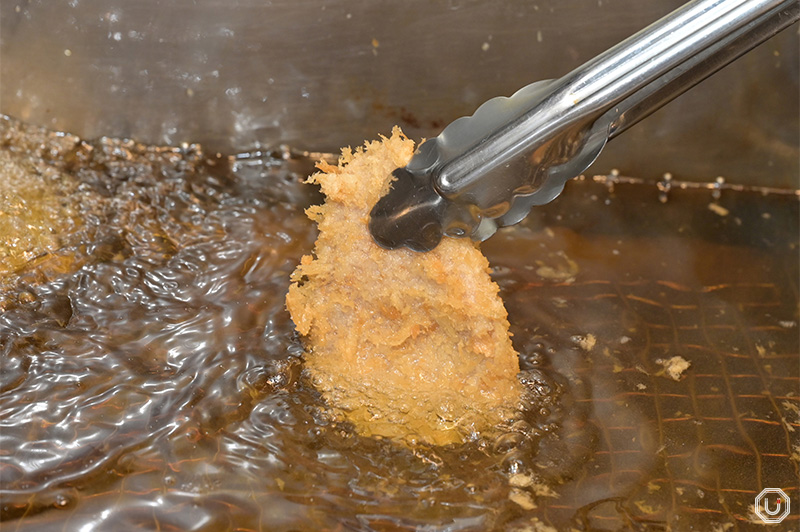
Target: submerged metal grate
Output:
[(663, 280), (151, 378)]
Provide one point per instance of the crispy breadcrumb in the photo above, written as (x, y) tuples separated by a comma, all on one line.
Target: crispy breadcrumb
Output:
[(406, 345)]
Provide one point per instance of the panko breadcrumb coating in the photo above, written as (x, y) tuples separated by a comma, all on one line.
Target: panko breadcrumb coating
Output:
[(407, 345)]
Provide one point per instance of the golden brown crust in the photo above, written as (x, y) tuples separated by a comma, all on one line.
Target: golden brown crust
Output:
[(407, 345)]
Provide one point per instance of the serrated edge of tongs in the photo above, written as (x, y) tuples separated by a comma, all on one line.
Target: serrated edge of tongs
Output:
[(486, 173)]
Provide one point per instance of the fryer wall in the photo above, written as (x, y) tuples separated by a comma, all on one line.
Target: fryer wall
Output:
[(239, 75)]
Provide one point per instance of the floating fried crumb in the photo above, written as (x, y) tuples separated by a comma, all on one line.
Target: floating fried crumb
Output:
[(405, 345), (520, 480), (587, 342), (561, 267), (543, 490), (674, 367), (791, 407), (795, 456), (718, 209), (752, 516), (522, 498)]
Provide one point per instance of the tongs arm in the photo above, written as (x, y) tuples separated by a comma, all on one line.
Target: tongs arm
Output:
[(489, 169), (746, 29)]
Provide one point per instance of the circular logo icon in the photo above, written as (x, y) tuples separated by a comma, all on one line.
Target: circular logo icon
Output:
[(772, 505)]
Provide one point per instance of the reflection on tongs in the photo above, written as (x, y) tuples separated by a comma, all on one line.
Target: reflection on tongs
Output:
[(487, 170)]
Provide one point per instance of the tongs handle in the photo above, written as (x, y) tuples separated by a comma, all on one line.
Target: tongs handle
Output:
[(725, 39), (489, 169)]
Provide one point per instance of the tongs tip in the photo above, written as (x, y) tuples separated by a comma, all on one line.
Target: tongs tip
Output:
[(409, 215)]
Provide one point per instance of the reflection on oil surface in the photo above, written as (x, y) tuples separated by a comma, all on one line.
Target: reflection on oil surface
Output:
[(151, 378)]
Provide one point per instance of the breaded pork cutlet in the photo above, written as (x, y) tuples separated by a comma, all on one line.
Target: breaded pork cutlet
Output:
[(406, 345)]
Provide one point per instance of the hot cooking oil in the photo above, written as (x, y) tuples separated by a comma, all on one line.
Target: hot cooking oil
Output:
[(151, 377)]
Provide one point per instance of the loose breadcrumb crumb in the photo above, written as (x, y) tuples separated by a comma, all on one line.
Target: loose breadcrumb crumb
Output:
[(522, 498), (674, 367), (718, 209), (587, 342)]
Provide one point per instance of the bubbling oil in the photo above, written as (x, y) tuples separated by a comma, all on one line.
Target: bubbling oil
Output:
[(151, 379), (148, 357)]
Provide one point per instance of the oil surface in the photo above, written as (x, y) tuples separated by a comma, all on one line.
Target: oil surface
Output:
[(150, 377)]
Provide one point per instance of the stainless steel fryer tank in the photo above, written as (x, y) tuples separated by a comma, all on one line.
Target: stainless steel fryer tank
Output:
[(248, 74), (151, 379)]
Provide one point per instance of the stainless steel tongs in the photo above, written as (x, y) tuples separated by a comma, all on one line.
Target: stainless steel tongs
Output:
[(488, 170)]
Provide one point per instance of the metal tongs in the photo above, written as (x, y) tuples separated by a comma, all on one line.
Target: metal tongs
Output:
[(488, 170)]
